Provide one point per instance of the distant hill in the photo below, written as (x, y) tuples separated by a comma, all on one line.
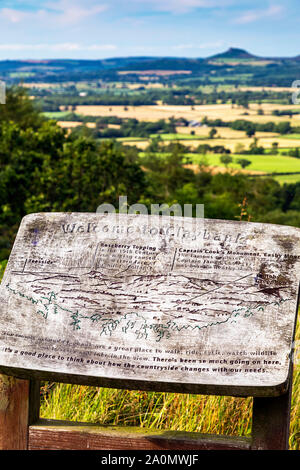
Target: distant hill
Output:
[(234, 53)]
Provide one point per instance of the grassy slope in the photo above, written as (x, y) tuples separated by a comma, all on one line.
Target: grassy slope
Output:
[(260, 163), (264, 163), (290, 136), (193, 413), (56, 114), (288, 179)]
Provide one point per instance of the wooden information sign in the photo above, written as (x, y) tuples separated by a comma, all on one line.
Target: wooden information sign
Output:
[(163, 303)]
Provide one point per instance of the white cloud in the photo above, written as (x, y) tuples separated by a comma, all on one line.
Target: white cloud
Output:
[(183, 6), (14, 16), (70, 12), (62, 12), (254, 15), (205, 45)]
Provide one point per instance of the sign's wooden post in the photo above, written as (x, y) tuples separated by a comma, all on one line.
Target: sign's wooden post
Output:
[(271, 422), (148, 303), (19, 408), (14, 407), (34, 402)]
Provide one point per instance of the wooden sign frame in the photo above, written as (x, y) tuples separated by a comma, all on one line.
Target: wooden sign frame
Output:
[(253, 269)]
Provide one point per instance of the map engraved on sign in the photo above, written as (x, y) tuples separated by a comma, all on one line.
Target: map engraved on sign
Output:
[(201, 314), (205, 302)]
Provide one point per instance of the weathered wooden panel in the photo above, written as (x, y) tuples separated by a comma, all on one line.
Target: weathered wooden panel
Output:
[(59, 435), (208, 304)]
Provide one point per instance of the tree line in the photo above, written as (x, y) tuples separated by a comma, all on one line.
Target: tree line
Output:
[(51, 100)]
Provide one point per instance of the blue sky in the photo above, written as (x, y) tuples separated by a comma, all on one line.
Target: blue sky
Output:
[(92, 29)]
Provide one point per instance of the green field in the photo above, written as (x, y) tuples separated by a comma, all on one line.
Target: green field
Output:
[(59, 115), (268, 164), (263, 163), (290, 136), (21, 74), (288, 179)]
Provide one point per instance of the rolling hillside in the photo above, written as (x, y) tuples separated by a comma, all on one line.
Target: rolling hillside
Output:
[(264, 71)]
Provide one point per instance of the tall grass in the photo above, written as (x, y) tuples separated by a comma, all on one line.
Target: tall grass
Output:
[(179, 412), (294, 441), (208, 414)]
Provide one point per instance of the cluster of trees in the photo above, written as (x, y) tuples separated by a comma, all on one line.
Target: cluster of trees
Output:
[(157, 145), (206, 148), (250, 128), (255, 148), (188, 96), (73, 116), (134, 128), (42, 168), (127, 128), (285, 112), (293, 152), (53, 102), (192, 94)]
